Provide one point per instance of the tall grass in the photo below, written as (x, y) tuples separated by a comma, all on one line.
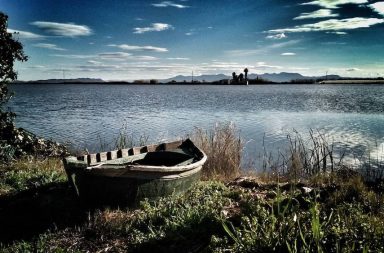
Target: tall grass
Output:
[(305, 157), (318, 155), (125, 139), (223, 146)]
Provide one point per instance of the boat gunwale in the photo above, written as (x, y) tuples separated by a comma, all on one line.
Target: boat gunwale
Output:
[(148, 168), (81, 162)]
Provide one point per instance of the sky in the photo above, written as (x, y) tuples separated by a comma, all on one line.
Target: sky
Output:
[(144, 39)]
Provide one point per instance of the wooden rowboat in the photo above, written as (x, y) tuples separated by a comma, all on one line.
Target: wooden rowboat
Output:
[(124, 177)]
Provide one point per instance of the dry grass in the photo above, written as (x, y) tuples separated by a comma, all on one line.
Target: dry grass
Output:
[(223, 146)]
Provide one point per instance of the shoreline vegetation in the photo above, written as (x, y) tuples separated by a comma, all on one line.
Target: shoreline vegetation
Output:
[(257, 81), (304, 201)]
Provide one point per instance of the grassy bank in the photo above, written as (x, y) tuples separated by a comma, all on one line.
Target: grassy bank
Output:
[(307, 203), (246, 215)]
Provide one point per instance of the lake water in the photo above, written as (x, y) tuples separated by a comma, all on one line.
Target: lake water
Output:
[(89, 116)]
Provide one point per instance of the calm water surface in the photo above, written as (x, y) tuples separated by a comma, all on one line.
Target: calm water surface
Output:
[(88, 116)]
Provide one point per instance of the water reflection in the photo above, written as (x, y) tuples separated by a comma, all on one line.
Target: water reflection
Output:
[(86, 115)]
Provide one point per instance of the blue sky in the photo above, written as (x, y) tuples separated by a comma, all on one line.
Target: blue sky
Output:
[(127, 40)]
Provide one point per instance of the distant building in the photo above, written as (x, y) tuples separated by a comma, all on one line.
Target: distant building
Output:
[(224, 81), (140, 81)]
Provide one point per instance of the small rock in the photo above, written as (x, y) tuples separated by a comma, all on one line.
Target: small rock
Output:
[(245, 182), (306, 190)]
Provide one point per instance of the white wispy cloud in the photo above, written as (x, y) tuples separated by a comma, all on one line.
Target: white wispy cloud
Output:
[(263, 66), (288, 54), (378, 7), (333, 4), (322, 13), (140, 48), (108, 56), (115, 56), (122, 70), (144, 58), (98, 68), (278, 36), (222, 67), (94, 62), (261, 50), (338, 33), (243, 52), (178, 58), (333, 25), (170, 4), (334, 43), (36, 67), (297, 68), (49, 46), (63, 29), (352, 69), (155, 27), (73, 56), (25, 35)]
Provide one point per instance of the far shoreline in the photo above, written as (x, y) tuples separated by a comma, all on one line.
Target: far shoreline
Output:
[(196, 83)]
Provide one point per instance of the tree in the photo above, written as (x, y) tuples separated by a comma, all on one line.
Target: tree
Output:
[(11, 50), (16, 142), (234, 77), (241, 77), (246, 73)]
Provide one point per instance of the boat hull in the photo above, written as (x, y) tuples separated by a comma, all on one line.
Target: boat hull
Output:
[(113, 182)]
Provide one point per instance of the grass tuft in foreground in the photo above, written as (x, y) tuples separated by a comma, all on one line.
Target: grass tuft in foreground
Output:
[(223, 146)]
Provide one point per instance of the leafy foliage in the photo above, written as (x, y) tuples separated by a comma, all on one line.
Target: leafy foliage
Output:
[(10, 51)]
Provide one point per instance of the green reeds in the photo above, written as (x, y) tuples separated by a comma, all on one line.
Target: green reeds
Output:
[(303, 157), (124, 139)]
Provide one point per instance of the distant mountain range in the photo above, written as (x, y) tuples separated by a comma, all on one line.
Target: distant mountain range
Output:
[(274, 77), (74, 80)]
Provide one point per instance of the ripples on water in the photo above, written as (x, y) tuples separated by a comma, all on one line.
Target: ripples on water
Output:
[(85, 115)]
